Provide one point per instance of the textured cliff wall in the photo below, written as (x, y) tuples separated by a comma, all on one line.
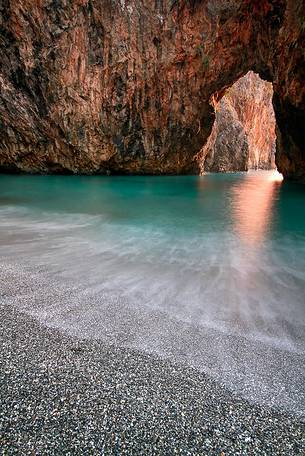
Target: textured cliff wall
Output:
[(129, 85), (243, 135)]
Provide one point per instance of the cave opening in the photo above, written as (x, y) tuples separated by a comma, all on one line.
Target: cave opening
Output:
[(243, 136)]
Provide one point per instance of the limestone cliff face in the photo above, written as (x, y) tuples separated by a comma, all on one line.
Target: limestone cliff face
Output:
[(243, 135), (130, 86)]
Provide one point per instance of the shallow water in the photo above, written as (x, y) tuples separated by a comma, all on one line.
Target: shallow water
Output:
[(208, 271)]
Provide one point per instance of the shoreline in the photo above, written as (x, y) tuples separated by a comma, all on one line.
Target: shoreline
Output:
[(61, 394)]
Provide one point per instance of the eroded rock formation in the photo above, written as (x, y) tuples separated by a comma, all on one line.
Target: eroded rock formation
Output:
[(243, 134), (129, 85)]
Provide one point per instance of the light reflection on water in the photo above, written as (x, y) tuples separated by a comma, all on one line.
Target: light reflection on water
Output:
[(209, 271), (252, 206)]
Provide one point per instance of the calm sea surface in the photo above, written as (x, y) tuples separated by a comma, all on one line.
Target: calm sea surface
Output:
[(207, 271)]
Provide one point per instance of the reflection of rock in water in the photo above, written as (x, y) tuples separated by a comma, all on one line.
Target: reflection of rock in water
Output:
[(252, 201), (243, 136)]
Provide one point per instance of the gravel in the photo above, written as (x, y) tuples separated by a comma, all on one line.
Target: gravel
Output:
[(62, 395)]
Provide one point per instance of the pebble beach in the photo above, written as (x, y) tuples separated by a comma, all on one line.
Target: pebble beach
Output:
[(63, 395)]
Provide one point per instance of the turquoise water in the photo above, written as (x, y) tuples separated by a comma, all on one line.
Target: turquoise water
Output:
[(207, 271)]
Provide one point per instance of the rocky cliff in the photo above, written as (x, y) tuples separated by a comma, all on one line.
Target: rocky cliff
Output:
[(243, 134), (130, 86)]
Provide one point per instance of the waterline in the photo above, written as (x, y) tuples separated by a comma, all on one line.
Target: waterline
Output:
[(208, 271)]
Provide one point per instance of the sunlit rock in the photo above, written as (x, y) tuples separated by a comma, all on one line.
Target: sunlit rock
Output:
[(243, 135), (130, 87)]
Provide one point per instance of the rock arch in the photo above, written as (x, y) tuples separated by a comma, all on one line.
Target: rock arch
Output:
[(243, 135), (127, 86)]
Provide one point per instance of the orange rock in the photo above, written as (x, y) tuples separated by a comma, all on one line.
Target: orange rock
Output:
[(95, 86)]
